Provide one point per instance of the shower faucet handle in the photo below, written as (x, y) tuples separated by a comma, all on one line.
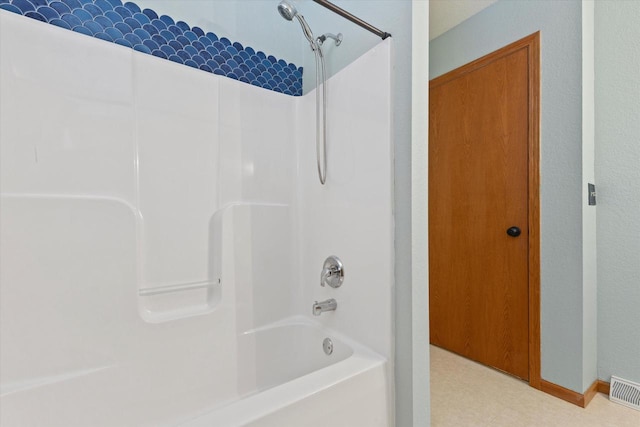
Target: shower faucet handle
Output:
[(332, 272)]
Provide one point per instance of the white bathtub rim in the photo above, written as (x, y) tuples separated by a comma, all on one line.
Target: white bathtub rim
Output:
[(262, 403), (256, 406)]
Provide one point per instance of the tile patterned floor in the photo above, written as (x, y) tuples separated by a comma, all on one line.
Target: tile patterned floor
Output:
[(465, 394)]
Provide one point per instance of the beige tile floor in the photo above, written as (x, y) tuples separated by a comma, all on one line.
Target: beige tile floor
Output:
[(465, 394)]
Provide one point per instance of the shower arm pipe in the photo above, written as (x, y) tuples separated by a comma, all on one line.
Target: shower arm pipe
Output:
[(332, 7)]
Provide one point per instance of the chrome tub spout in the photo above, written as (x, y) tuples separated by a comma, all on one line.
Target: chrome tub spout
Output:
[(320, 307)]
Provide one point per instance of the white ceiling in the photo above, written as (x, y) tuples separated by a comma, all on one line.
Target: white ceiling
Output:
[(446, 14)]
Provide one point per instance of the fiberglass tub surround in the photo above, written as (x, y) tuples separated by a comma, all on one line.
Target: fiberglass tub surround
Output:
[(162, 237)]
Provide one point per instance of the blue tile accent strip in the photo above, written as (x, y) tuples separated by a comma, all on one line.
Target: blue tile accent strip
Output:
[(145, 31)]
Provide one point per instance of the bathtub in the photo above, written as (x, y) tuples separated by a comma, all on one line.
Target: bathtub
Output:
[(282, 378), (285, 378)]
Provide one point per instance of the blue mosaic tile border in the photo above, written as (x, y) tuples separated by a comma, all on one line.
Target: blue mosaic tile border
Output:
[(145, 31)]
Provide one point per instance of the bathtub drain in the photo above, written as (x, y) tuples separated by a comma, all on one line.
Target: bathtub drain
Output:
[(327, 346)]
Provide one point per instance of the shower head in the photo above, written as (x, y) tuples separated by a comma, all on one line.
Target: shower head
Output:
[(288, 11)]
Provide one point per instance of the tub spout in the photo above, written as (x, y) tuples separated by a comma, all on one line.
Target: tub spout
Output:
[(320, 307)]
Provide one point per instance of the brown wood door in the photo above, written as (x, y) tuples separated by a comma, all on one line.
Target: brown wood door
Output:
[(479, 122)]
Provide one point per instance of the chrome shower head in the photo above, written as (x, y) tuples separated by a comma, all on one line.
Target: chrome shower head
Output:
[(288, 11)]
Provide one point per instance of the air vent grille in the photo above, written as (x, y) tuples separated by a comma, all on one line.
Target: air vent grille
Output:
[(625, 392)]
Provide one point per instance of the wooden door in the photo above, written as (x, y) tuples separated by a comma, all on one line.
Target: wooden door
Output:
[(479, 179)]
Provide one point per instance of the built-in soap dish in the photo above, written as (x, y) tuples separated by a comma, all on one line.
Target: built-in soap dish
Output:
[(176, 301)]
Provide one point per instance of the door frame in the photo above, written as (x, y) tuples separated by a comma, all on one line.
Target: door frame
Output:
[(532, 44)]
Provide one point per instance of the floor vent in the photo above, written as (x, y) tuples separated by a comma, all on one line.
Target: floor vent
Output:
[(625, 392)]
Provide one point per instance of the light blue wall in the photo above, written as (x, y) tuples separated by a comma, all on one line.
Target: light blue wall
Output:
[(561, 158), (617, 31)]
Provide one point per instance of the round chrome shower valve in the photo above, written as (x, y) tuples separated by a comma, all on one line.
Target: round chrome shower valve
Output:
[(332, 272)]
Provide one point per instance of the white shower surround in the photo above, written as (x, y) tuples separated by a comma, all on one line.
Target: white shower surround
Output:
[(120, 172)]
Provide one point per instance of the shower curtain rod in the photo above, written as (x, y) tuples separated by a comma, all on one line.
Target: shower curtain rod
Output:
[(332, 7)]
